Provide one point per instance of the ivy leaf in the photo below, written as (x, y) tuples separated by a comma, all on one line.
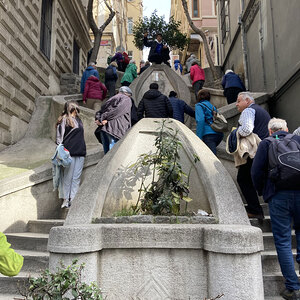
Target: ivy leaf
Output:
[(187, 199)]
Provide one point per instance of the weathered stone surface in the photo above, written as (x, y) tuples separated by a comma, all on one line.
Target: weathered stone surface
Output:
[(141, 219), (166, 261), (211, 188)]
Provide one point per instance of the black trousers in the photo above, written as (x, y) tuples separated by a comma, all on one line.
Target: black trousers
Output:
[(231, 94), (246, 185), (125, 83), (111, 86), (198, 86)]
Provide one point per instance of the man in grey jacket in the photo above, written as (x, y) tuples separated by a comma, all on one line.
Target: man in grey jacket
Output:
[(115, 118)]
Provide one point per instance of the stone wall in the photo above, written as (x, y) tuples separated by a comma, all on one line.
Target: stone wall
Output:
[(25, 71)]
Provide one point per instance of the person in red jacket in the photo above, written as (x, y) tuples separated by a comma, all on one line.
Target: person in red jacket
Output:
[(197, 76), (94, 91)]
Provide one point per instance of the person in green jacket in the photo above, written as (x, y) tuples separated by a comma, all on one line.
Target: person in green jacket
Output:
[(10, 262), (130, 73)]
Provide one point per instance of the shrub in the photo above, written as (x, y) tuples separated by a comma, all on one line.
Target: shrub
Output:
[(62, 285), (169, 184)]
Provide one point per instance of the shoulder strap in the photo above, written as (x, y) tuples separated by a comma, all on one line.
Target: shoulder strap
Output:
[(209, 107), (67, 135)]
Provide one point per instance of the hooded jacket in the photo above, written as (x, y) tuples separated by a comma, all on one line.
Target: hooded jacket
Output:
[(177, 65), (10, 261), (155, 105), (117, 111), (130, 73), (94, 89), (89, 71), (197, 73)]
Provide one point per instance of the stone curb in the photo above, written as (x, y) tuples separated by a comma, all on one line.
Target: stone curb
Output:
[(146, 219)]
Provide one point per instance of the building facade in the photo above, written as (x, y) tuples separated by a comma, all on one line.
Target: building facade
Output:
[(118, 34), (39, 40), (203, 14), (260, 39)]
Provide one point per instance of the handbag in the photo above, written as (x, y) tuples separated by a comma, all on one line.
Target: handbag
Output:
[(62, 155), (219, 123)]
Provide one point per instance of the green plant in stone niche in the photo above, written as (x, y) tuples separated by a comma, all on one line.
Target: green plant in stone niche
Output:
[(169, 184), (65, 284)]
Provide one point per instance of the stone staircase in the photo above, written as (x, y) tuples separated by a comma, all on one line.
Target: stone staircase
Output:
[(33, 246), (272, 277)]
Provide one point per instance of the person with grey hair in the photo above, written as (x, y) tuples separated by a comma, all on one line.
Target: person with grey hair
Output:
[(283, 196), (297, 131), (277, 125), (189, 62), (130, 73), (232, 85), (253, 119), (115, 118), (89, 71)]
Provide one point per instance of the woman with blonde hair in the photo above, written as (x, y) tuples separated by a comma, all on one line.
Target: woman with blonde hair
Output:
[(69, 132)]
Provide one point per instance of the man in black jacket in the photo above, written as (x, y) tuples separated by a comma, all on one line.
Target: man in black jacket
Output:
[(158, 51), (154, 104)]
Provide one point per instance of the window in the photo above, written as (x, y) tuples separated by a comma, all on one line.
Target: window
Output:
[(130, 53), (130, 25), (195, 8), (75, 58), (224, 11), (46, 26)]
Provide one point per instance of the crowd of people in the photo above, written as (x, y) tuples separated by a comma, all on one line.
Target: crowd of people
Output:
[(250, 142)]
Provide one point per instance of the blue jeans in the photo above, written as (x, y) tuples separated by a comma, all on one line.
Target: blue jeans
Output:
[(285, 208), (212, 141), (108, 141)]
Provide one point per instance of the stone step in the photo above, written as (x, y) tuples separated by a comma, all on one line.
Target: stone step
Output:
[(43, 226), (11, 297), (34, 261), (11, 285), (265, 208), (264, 225), (270, 262), (269, 241), (273, 284), (28, 241)]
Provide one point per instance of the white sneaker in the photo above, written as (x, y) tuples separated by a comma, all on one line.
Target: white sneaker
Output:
[(65, 203)]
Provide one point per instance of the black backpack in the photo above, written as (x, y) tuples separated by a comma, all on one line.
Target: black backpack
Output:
[(284, 162), (109, 74)]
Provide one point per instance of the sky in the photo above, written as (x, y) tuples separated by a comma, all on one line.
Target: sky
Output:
[(162, 6)]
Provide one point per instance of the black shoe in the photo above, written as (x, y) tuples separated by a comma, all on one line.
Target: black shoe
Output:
[(290, 295), (259, 217)]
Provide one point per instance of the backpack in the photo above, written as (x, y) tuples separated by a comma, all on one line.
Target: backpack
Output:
[(219, 123), (284, 162), (109, 74)]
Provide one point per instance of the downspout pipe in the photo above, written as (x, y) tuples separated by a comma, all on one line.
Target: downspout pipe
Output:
[(244, 43)]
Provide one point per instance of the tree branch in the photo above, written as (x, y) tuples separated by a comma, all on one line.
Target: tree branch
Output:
[(90, 17), (203, 36), (110, 17), (97, 31)]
